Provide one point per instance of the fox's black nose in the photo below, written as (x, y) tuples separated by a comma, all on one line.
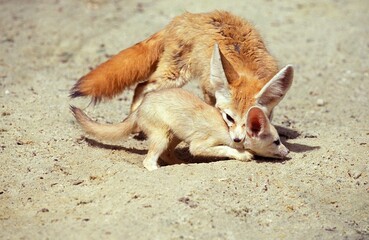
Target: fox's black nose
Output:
[(237, 140)]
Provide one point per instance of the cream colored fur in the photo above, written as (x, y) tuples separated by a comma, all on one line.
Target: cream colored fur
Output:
[(170, 116)]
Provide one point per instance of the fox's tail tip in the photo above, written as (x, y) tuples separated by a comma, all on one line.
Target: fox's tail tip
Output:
[(74, 93), (78, 114), (74, 110)]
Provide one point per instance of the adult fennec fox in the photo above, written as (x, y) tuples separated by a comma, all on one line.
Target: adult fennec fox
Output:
[(182, 51)]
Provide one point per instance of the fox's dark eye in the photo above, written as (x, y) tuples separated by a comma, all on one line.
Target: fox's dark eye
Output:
[(230, 118), (277, 142)]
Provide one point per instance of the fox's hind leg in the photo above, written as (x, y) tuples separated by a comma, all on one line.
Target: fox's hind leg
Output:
[(207, 91), (168, 156), (158, 143), (167, 75), (153, 84), (140, 91)]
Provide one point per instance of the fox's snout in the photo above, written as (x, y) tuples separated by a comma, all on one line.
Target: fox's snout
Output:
[(237, 133), (283, 151), (237, 140), (237, 137)]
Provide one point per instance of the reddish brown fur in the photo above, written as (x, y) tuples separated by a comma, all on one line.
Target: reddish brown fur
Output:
[(122, 70), (243, 92), (182, 52)]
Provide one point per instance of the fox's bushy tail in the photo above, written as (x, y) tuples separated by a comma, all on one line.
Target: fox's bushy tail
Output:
[(105, 131), (128, 67)]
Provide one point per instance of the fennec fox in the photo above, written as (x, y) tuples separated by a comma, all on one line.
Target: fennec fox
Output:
[(170, 116), (182, 52)]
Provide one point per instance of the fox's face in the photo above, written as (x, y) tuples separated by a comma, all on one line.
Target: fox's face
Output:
[(262, 137), (235, 98), (245, 88), (267, 145), (236, 122)]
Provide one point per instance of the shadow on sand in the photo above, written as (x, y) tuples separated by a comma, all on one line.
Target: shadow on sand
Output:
[(287, 133), (186, 156), (94, 143)]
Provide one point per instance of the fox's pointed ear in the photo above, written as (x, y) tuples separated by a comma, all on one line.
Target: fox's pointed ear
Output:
[(220, 68), (274, 91), (229, 71), (257, 122), (218, 78), (217, 75)]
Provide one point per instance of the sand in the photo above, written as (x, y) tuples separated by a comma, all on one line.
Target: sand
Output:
[(57, 184)]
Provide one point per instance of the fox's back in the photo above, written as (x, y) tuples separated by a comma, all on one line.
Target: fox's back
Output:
[(192, 37), (184, 114)]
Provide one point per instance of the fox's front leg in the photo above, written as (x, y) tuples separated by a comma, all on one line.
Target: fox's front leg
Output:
[(199, 149)]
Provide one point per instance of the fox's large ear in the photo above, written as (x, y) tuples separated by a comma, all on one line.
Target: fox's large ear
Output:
[(274, 91), (218, 78), (257, 122), (229, 71)]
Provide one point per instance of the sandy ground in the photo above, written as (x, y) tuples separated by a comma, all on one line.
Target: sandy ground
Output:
[(56, 184)]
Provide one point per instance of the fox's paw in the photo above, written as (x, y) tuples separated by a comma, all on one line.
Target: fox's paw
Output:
[(245, 156), (150, 164)]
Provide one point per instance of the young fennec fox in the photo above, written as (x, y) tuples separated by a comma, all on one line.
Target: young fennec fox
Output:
[(170, 116), (181, 52)]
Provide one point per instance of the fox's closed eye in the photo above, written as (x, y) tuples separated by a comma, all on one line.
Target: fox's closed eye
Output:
[(230, 118), (277, 142)]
